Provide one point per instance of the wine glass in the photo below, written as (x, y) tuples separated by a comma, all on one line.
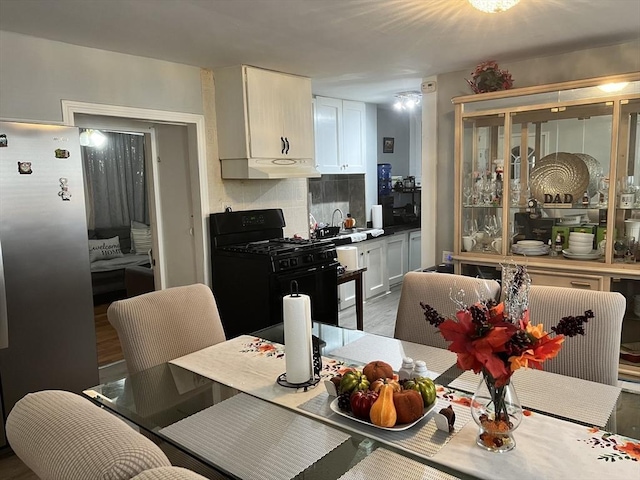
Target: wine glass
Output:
[(491, 229), (470, 227), (467, 192)]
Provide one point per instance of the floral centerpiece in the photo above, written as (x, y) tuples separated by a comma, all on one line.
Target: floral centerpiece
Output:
[(496, 339), (488, 77)]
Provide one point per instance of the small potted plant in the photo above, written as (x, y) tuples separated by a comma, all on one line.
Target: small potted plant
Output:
[(488, 77)]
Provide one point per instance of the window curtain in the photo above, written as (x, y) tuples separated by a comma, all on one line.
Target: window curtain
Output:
[(116, 188)]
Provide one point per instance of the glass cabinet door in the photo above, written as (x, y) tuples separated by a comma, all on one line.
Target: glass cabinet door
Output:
[(558, 170), (627, 186), (482, 183)]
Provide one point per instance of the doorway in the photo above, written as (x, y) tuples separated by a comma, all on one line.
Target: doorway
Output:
[(178, 198)]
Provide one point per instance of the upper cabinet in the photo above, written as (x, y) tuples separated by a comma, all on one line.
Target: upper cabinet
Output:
[(265, 123), (551, 175), (340, 136)]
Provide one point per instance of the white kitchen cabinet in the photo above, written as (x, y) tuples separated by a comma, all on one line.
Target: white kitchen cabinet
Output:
[(415, 254), (263, 114), (328, 128), (374, 256), (340, 134), (354, 135), (397, 257)]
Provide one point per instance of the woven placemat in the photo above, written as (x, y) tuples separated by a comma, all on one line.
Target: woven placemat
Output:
[(422, 439), (253, 439), (587, 402), (383, 463)]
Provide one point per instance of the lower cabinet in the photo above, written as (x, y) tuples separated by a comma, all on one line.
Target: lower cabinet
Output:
[(387, 260), (415, 250), (374, 256), (397, 257)]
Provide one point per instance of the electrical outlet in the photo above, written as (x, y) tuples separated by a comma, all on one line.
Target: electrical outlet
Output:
[(447, 257)]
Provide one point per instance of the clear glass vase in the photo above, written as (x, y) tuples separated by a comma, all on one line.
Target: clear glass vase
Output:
[(498, 412)]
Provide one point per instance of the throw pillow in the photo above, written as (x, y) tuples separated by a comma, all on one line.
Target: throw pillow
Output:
[(104, 249), (140, 237)]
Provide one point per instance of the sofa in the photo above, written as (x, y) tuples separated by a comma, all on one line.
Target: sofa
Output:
[(109, 260)]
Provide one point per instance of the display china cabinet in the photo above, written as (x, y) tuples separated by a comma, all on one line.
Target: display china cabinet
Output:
[(549, 176)]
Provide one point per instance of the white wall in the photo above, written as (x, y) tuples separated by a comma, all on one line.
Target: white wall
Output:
[(35, 74), (395, 124), (616, 59), (371, 156)]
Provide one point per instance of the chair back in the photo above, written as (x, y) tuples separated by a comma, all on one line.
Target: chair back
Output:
[(594, 356), (160, 326), (60, 435), (436, 289)]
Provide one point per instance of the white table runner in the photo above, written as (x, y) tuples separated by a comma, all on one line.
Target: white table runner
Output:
[(392, 351), (383, 463), (568, 397), (263, 442)]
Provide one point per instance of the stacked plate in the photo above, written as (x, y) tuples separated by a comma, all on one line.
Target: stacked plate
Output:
[(530, 247), (581, 247)]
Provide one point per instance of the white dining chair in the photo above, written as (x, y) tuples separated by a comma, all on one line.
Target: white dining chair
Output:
[(595, 355), (60, 435), (160, 326), (437, 290)]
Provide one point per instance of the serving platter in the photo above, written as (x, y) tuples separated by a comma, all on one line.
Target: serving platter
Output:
[(559, 173), (397, 428)]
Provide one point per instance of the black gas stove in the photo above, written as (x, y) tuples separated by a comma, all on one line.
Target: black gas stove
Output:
[(253, 266)]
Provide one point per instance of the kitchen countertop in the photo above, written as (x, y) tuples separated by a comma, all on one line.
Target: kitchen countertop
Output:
[(344, 239)]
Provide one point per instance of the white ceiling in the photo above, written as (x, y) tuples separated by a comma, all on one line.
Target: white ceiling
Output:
[(365, 50)]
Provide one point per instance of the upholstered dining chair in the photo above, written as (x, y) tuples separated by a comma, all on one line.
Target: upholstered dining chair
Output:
[(437, 290), (168, 473), (60, 435), (156, 327), (595, 355)]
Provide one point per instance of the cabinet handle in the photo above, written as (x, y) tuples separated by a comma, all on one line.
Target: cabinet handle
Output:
[(581, 284), (283, 145), (287, 142)]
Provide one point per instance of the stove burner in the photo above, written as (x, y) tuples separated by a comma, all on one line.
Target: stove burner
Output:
[(280, 246)]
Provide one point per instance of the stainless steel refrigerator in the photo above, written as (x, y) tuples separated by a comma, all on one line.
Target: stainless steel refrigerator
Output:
[(47, 332)]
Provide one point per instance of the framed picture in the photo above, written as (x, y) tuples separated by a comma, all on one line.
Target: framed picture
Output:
[(387, 145)]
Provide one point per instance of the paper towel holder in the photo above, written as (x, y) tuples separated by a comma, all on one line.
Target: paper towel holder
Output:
[(317, 368), (317, 359)]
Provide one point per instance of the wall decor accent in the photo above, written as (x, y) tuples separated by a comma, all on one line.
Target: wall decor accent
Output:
[(387, 144), (24, 168)]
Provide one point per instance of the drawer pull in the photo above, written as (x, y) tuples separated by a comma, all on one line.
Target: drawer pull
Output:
[(580, 284)]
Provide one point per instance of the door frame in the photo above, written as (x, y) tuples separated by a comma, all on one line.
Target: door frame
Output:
[(198, 163)]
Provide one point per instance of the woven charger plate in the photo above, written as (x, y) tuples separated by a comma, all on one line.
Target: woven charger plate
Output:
[(557, 174), (593, 165)]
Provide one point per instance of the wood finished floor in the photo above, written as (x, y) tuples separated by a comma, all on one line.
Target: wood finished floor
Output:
[(379, 318), (107, 343)]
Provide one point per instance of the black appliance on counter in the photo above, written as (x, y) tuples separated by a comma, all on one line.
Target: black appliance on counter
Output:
[(253, 266)]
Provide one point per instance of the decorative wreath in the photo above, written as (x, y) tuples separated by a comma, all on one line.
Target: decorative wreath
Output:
[(488, 77)]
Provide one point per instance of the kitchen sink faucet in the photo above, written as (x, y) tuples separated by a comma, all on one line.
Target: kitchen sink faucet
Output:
[(341, 218)]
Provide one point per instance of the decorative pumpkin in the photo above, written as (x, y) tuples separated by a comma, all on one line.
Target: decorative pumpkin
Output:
[(409, 406), (424, 386), (361, 403), (376, 370), (383, 411), (353, 381), (375, 386)]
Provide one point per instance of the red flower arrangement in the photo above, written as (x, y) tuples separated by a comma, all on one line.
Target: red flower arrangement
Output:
[(488, 77), (498, 338)]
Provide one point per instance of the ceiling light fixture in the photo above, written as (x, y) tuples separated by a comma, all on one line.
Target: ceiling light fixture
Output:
[(92, 138), (493, 6), (407, 100)]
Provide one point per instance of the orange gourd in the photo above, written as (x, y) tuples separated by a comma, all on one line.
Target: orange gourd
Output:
[(383, 411)]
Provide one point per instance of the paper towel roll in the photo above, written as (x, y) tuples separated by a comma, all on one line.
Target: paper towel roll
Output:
[(376, 216), (348, 257), (298, 349)]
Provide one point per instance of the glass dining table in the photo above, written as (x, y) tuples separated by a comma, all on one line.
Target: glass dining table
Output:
[(222, 409)]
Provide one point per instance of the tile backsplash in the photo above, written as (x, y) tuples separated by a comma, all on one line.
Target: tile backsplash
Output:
[(345, 192)]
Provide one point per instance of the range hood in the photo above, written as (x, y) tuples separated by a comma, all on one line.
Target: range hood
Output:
[(262, 168)]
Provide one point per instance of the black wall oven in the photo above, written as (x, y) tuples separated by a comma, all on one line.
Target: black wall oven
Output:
[(253, 267)]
